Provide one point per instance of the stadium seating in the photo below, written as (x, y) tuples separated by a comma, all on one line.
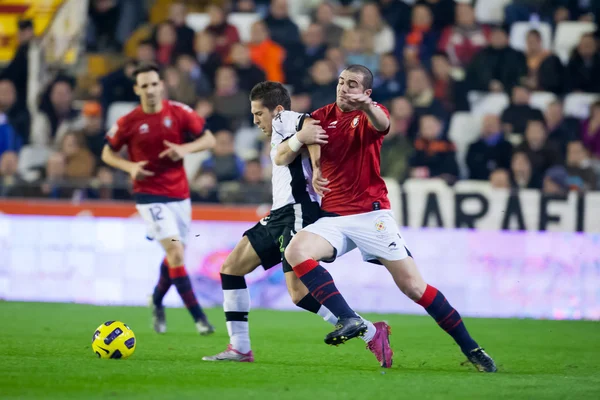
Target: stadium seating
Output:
[(488, 103), (490, 12), (578, 104), (567, 37), (541, 100), (518, 34), (464, 130)]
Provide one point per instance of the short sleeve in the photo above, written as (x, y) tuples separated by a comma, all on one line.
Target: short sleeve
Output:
[(371, 128), (285, 125), (117, 135), (195, 124)]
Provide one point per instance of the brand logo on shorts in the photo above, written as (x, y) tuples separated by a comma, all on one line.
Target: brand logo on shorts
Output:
[(380, 226), (355, 121), (392, 245)]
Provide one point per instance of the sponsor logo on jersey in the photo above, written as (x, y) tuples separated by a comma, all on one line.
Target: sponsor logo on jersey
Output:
[(167, 122), (144, 128)]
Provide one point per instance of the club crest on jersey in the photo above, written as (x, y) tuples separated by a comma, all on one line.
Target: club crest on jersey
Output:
[(380, 226), (355, 121), (144, 128), (167, 121)]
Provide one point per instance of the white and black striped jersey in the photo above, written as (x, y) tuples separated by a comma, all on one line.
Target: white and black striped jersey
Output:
[(292, 183)]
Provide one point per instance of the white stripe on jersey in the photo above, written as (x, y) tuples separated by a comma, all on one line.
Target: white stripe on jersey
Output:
[(284, 126)]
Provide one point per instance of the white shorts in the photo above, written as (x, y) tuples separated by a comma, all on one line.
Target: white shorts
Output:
[(167, 220), (375, 233)]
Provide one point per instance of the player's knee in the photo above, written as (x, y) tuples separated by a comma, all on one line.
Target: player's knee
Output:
[(175, 255), (230, 267), (296, 252), (413, 288)]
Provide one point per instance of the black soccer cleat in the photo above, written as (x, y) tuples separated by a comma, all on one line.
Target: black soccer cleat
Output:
[(159, 321), (346, 329), (481, 360)]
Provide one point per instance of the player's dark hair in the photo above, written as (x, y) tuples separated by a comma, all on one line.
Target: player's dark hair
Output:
[(272, 94), (143, 68), (365, 72)]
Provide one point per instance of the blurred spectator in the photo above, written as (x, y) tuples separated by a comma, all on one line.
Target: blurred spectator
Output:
[(11, 183), (522, 10), (556, 181), (304, 55), (498, 67), (105, 186), (490, 152), (434, 157), (451, 92), (521, 173), (519, 112), (93, 133), (191, 70), (252, 189), (397, 148), (442, 11), (389, 82), (229, 101), (281, 28), (226, 35), (359, 49), (405, 120), (179, 86), (396, 13), (337, 57), (223, 161), (323, 86), (265, 53), (18, 68), (184, 43), (590, 130), (421, 95), (560, 130), (17, 116), (248, 73), (209, 59), (383, 36), (500, 179), (111, 22), (579, 167), (54, 185), (215, 122), (165, 41), (464, 39), (421, 41), (9, 140), (324, 16), (57, 114), (80, 162), (546, 71), (205, 188), (583, 70), (541, 153)]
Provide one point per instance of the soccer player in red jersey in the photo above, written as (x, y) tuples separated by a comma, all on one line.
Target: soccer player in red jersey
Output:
[(158, 134), (357, 214)]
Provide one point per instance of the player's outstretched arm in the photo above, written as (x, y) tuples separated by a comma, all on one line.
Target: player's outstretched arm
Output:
[(134, 169), (311, 133), (377, 117)]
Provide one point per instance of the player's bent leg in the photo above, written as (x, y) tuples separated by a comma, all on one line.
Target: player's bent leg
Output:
[(302, 252), (411, 283), (179, 276), (303, 299), (236, 302)]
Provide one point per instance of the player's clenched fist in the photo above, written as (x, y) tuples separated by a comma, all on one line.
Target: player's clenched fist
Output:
[(357, 101), (312, 133), (320, 183), (137, 171)]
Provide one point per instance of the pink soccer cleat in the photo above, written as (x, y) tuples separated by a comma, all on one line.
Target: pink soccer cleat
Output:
[(231, 354), (380, 344)]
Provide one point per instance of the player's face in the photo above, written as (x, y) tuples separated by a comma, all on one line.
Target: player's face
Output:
[(349, 83), (263, 118), (150, 88)]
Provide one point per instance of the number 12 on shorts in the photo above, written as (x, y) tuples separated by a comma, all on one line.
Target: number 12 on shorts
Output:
[(156, 212)]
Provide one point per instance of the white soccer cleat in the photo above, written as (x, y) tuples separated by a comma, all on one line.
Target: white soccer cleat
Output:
[(231, 354), (204, 327)]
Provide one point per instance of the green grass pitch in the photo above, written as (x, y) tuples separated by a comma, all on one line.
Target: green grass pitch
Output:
[(45, 353)]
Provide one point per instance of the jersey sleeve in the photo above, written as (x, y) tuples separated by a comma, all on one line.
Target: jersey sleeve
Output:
[(118, 134), (193, 125), (285, 125), (371, 128)]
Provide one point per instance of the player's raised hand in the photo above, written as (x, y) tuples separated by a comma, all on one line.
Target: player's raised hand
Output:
[(174, 151), (137, 172), (320, 183), (358, 101), (312, 133)]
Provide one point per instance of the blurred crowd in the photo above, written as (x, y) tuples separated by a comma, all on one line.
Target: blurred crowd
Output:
[(427, 57)]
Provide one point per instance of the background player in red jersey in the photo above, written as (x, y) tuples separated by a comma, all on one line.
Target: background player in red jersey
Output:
[(158, 134), (357, 214)]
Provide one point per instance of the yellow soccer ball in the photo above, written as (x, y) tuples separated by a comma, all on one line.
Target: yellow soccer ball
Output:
[(113, 339)]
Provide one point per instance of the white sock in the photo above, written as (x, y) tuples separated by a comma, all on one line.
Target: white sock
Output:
[(327, 315), (236, 304), (371, 330)]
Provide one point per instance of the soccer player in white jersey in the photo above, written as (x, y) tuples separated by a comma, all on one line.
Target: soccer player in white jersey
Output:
[(295, 205)]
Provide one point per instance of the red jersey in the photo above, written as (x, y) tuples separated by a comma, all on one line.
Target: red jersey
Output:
[(143, 134), (351, 161)]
